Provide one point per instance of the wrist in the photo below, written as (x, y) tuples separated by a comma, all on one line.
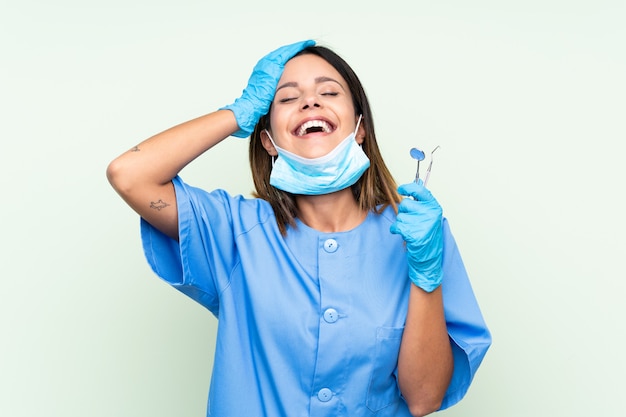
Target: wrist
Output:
[(426, 275), (244, 115)]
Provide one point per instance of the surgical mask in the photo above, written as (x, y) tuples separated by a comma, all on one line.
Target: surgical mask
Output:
[(339, 169)]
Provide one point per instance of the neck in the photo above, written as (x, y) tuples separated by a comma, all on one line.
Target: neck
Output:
[(334, 212)]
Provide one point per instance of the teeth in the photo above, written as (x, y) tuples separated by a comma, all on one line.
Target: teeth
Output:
[(313, 123)]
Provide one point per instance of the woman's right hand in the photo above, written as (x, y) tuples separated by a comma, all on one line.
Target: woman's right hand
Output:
[(257, 97)]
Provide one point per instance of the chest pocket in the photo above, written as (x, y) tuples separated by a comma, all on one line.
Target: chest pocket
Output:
[(383, 387)]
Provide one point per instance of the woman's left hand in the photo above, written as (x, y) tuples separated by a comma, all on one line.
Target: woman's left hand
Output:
[(419, 222)]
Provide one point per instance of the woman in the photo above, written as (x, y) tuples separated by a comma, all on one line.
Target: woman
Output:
[(328, 302)]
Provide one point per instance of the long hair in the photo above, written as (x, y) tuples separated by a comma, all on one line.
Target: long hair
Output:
[(375, 190)]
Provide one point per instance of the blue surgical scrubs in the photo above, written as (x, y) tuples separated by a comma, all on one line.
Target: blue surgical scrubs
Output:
[(309, 324)]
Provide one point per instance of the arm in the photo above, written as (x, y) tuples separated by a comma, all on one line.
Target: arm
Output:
[(142, 176), (425, 362)]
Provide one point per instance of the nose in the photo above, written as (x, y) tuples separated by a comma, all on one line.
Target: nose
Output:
[(310, 101)]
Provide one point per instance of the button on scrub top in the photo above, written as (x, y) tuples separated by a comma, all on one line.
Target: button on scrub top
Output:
[(309, 324)]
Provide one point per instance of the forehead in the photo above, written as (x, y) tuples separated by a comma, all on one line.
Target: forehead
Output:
[(308, 67)]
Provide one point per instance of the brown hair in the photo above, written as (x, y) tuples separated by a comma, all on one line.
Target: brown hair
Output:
[(375, 190)]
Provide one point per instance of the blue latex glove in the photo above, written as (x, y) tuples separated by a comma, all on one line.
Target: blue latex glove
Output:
[(257, 97), (420, 223)]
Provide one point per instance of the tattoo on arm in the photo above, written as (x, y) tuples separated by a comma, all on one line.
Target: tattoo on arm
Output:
[(158, 205), (135, 149)]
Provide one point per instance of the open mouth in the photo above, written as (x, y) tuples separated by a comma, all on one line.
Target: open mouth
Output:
[(314, 126)]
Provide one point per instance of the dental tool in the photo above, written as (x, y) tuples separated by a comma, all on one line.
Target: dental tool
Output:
[(430, 166), (419, 156)]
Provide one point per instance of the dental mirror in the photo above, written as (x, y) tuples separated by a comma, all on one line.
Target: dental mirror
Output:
[(418, 155)]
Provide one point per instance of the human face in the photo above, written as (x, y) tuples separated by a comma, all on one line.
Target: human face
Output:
[(312, 111)]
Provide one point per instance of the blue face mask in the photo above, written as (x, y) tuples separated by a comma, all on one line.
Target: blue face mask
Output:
[(339, 169)]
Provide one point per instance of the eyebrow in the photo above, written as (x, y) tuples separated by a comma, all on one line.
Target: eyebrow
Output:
[(318, 80)]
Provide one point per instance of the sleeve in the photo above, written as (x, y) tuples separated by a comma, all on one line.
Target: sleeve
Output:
[(199, 263), (468, 332)]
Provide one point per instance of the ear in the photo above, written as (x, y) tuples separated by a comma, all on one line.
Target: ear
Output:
[(267, 143), (360, 134)]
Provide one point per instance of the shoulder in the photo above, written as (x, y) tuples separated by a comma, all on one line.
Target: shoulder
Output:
[(218, 204), (388, 215)]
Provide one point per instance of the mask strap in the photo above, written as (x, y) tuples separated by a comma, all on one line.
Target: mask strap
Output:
[(269, 136), (358, 122), (271, 140)]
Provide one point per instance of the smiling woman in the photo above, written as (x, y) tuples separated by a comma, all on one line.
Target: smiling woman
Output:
[(309, 106), (319, 85), (334, 295)]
